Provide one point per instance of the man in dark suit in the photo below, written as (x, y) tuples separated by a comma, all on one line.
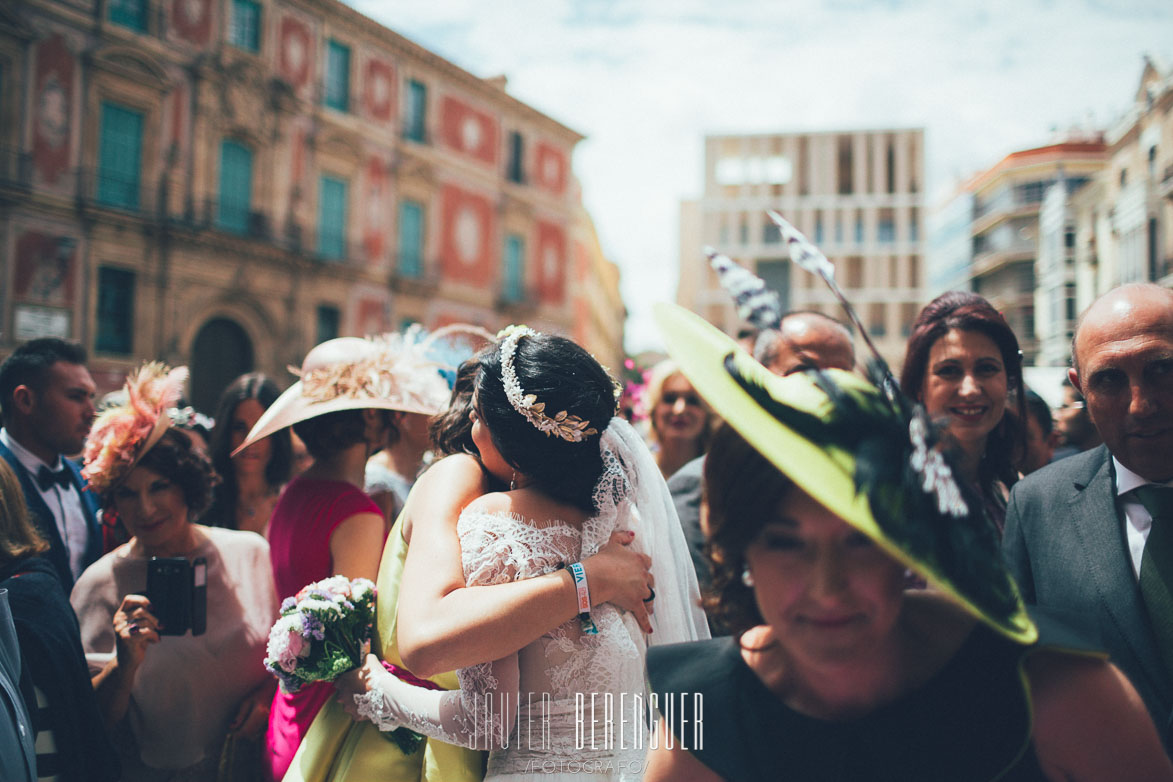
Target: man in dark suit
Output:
[(47, 405), (1092, 535), (803, 340)]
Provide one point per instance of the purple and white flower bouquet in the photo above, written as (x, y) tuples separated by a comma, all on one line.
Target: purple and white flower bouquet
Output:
[(324, 631)]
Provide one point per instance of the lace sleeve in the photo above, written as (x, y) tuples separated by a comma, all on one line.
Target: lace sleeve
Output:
[(480, 715)]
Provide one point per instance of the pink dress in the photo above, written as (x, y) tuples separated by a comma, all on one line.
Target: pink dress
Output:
[(303, 520)]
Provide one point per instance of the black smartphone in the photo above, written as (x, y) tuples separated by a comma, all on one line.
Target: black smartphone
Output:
[(199, 596), (178, 591)]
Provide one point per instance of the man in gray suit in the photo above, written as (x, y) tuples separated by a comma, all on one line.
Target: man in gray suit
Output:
[(1087, 535)]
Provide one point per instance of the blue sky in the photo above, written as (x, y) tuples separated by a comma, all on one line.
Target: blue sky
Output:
[(645, 80)]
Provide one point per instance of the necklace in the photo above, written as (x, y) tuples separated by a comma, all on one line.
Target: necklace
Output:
[(249, 509)]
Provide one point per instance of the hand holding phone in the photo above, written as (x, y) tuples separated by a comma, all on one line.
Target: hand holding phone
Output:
[(135, 628)]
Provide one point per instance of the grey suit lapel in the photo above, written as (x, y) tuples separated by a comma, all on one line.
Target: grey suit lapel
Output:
[(1100, 525)]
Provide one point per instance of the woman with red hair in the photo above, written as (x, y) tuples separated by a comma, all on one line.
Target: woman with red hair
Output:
[(963, 364)]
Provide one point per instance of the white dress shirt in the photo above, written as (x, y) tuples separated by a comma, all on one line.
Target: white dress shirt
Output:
[(64, 502), (1138, 521)]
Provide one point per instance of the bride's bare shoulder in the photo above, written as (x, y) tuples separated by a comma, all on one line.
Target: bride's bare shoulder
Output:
[(493, 502)]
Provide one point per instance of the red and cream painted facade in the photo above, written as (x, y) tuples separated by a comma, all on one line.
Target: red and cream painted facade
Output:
[(265, 288)]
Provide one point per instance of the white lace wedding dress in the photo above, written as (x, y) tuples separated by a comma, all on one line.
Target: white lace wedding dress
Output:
[(572, 704)]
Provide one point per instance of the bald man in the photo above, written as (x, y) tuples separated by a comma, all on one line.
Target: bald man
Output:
[(1080, 533), (804, 340)]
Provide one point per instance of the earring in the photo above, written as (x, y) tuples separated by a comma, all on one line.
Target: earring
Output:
[(747, 577), (513, 481)]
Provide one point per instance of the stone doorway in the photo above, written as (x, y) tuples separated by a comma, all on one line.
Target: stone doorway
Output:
[(221, 351)]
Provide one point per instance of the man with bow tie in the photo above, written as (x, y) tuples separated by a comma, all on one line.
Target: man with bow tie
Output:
[(1092, 534), (47, 405)]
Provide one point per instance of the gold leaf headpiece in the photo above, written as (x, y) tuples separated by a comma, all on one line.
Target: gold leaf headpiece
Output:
[(569, 427)]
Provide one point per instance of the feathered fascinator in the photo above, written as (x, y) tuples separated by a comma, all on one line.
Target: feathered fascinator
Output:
[(874, 463), (449, 346), (121, 435), (386, 372), (755, 303), (811, 258), (861, 449), (760, 306)]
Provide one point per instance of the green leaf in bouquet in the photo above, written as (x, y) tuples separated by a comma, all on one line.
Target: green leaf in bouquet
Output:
[(406, 739)]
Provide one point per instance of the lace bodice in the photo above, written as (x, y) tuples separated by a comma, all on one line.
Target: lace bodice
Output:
[(533, 709)]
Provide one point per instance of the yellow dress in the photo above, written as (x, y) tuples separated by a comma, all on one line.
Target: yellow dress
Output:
[(338, 749)]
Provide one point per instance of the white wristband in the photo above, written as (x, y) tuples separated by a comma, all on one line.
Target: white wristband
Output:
[(584, 598)]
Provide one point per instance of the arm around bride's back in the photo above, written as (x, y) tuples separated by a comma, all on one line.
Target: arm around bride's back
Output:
[(444, 625)]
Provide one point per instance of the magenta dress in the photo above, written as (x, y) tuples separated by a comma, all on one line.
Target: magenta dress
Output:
[(303, 520)]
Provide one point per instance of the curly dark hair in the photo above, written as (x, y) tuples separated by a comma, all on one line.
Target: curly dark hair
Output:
[(451, 430), (743, 491), (565, 377), (174, 459), (967, 311)]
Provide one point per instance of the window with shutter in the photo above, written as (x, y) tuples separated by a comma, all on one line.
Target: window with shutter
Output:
[(513, 279), (119, 151), (236, 185), (411, 239), (332, 219)]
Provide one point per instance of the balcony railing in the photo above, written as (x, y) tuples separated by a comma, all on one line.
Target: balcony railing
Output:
[(332, 247), (404, 278), (521, 303), (132, 196), (111, 190), (990, 260), (16, 168), (242, 221)]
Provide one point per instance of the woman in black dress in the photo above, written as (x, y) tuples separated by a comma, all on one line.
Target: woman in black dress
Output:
[(822, 493)]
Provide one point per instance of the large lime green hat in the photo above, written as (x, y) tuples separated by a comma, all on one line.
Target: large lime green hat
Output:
[(868, 460)]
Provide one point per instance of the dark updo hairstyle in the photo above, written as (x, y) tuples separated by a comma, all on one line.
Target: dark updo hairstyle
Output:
[(564, 377), (967, 311), (451, 430), (174, 459), (260, 387), (328, 434), (743, 491)]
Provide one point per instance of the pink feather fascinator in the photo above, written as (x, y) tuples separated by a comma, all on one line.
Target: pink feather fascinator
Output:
[(122, 435)]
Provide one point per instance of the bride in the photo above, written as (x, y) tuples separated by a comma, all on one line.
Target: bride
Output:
[(571, 701)]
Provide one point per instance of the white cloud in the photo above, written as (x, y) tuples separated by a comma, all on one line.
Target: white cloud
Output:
[(645, 80)]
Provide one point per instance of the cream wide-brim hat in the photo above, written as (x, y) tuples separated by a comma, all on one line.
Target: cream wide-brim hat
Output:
[(352, 373)]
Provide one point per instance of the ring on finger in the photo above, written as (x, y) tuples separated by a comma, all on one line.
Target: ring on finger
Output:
[(651, 595)]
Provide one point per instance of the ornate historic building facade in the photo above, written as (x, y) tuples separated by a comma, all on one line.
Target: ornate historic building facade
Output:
[(225, 183)]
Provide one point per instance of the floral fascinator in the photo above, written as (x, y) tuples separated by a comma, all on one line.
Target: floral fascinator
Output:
[(387, 372), (122, 434)]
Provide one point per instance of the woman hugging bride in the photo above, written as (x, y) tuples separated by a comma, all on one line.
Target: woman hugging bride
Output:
[(544, 424)]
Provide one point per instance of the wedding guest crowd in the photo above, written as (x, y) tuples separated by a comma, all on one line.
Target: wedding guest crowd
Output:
[(1004, 613)]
